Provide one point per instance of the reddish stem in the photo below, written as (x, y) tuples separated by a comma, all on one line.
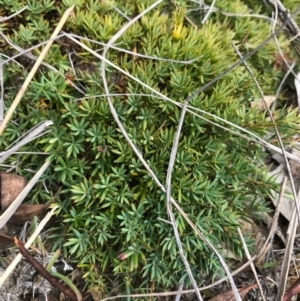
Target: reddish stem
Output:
[(40, 269), (295, 289)]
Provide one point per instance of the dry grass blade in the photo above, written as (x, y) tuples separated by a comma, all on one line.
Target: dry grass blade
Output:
[(169, 204), (287, 255), (297, 85), (32, 134), (3, 19), (34, 69), (284, 15), (251, 265)]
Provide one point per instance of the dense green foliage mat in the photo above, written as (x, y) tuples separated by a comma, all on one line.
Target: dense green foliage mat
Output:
[(112, 216)]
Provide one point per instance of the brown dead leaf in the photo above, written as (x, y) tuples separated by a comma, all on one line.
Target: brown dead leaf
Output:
[(10, 187), (229, 296), (260, 104), (26, 212)]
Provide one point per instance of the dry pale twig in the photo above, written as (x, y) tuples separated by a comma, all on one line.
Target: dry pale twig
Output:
[(3, 19), (297, 85), (251, 264), (285, 16), (209, 11)]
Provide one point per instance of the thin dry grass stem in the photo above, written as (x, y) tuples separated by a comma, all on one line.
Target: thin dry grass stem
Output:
[(277, 212), (10, 58), (293, 38), (19, 199), (178, 296), (19, 96), (34, 235), (133, 53), (26, 52), (209, 11), (284, 15), (3, 19), (168, 196), (32, 134), (281, 85), (121, 13), (251, 264), (291, 233)]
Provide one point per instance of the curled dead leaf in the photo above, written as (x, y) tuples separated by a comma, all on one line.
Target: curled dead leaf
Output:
[(10, 187), (27, 211)]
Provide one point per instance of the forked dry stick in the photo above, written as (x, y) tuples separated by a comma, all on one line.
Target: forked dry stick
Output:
[(34, 69)]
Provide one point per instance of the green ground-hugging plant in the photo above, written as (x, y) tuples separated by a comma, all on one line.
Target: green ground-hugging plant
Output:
[(111, 211)]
